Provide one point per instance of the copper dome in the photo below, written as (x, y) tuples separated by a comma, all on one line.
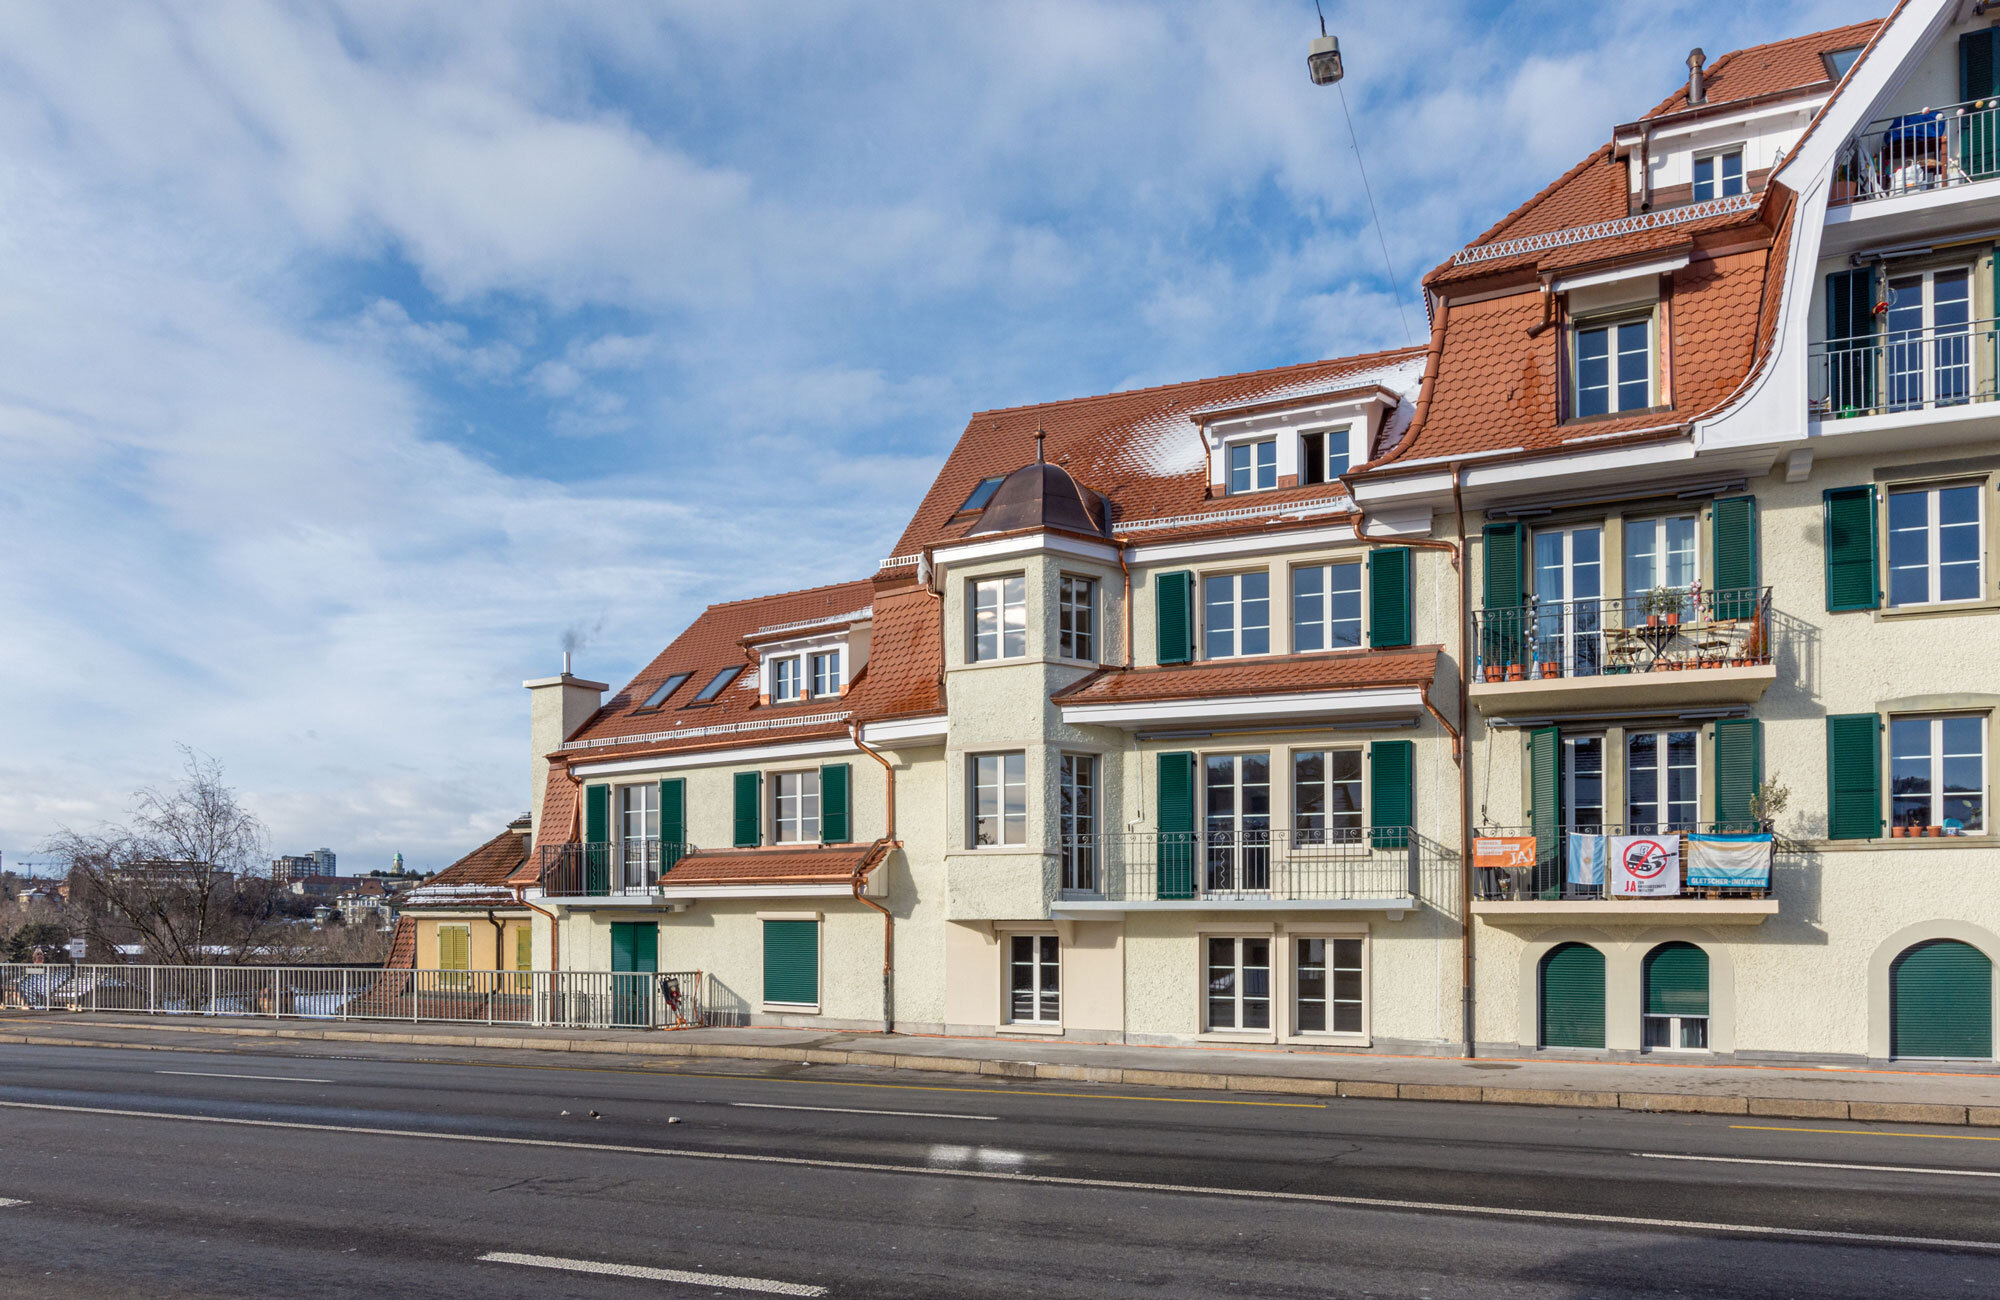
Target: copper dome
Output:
[(1040, 495)]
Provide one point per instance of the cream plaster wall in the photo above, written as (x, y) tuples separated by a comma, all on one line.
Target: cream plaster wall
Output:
[(479, 947)]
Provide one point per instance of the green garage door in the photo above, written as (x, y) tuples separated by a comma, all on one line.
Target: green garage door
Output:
[(1572, 996), (1941, 1001)]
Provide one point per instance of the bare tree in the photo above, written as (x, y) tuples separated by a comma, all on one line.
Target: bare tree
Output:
[(180, 878)]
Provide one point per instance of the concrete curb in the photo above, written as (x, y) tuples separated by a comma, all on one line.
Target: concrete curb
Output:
[(1290, 1085)]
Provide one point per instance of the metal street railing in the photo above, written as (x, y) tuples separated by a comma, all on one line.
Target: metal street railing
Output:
[(1933, 148), (560, 999), (1665, 630), (1333, 863), (1891, 370), (608, 870), (1554, 871)]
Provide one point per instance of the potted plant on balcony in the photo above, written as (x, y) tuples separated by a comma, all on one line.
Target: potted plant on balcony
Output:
[(1551, 668), (1516, 673)]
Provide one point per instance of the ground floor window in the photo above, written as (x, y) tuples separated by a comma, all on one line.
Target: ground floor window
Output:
[(1941, 1002), (1034, 980), (1571, 997), (1239, 984), (1327, 984), (454, 954), (1676, 1017), (791, 962)]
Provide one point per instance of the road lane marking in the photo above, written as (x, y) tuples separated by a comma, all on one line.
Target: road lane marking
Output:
[(1052, 1180), (8, 1203), (1864, 1132), (267, 1078), (847, 1110), (724, 1280), (1820, 1164)]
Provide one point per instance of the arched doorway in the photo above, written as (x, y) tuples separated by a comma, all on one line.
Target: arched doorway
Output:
[(1675, 1013), (1572, 996), (1941, 1001)]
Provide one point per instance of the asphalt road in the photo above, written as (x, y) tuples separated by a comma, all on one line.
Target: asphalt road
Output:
[(304, 1172)]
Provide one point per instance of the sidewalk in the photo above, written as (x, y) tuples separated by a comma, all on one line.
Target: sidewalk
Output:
[(1941, 1096)]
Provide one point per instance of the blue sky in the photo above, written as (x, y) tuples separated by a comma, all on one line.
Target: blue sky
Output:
[(352, 354)]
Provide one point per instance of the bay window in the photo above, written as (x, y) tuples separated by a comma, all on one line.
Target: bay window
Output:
[(1076, 618), (1077, 815), (999, 618), (999, 799)]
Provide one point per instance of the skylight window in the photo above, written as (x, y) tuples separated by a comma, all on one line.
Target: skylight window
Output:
[(1839, 61), (663, 690), (717, 684), (982, 494)]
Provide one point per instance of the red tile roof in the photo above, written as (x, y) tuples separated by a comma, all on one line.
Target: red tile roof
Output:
[(479, 878), (1795, 63), (560, 801), (770, 866), (402, 946), (1137, 449), (1345, 670)]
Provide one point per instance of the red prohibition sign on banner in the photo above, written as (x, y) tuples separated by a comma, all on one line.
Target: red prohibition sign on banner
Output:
[(1645, 859)]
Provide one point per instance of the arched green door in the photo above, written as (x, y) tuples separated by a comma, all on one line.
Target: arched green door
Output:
[(1941, 1001), (1572, 996)]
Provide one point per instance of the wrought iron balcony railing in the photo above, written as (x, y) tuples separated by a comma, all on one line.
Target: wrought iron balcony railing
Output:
[(1932, 148), (1559, 871), (1240, 865), (607, 870), (1905, 366), (1665, 630)]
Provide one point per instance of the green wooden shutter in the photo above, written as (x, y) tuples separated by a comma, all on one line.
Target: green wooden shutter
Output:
[(1677, 981), (1389, 598), (673, 821), (1504, 577), (1739, 770), (1851, 345), (1178, 849), (1392, 802), (1978, 78), (1173, 616), (1853, 776), (749, 788), (791, 962), (833, 803), (1545, 810), (1572, 997), (597, 839), (1736, 567), (1941, 1001), (1853, 577)]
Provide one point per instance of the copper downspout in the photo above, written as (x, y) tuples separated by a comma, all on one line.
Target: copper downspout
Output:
[(1464, 773), (555, 930), (882, 846)]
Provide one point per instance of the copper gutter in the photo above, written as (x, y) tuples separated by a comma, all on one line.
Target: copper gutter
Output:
[(882, 846)]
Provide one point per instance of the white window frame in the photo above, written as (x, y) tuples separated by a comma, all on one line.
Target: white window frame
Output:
[(1235, 579), (1345, 834), (1930, 343), (1040, 939), (825, 677), (1569, 773), (788, 680), (1658, 523), (1614, 377), (1935, 760), (1078, 819), (1326, 622), (803, 802), (632, 872), (1341, 435), (1662, 804), (1254, 466), (1010, 598), (1013, 831), (1291, 939), (1271, 998), (1714, 158), (1933, 538), (1078, 640)]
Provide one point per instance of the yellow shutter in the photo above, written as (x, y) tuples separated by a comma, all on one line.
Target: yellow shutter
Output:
[(524, 948), (454, 947)]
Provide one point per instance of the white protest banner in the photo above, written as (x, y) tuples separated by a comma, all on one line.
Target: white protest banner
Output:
[(1645, 866)]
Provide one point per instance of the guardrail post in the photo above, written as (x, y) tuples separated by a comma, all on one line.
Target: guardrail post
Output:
[(152, 990), (212, 974), (343, 993), (1416, 878)]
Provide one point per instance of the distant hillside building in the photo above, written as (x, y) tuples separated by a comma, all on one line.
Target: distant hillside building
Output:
[(299, 866)]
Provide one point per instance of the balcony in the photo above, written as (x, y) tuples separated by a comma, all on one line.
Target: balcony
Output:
[(1906, 367), (630, 871), (1553, 883), (1911, 153), (1666, 647), (1344, 869)]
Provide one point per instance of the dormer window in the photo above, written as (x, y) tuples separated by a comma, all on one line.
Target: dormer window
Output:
[(1839, 61), (826, 673), (1718, 175), (787, 686), (1324, 455), (1253, 466), (1614, 366)]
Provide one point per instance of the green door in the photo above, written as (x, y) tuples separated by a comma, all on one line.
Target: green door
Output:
[(1178, 850), (1941, 1002), (1572, 996), (635, 955)]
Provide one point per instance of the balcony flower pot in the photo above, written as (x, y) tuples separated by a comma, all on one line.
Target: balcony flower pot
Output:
[(1934, 832), (1652, 620), (1899, 832), (1515, 673), (1673, 618), (1494, 672), (1551, 670)]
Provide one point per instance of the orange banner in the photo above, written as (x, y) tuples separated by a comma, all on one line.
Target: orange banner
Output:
[(1503, 852)]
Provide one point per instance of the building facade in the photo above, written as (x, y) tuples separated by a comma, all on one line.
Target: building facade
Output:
[(1610, 676)]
